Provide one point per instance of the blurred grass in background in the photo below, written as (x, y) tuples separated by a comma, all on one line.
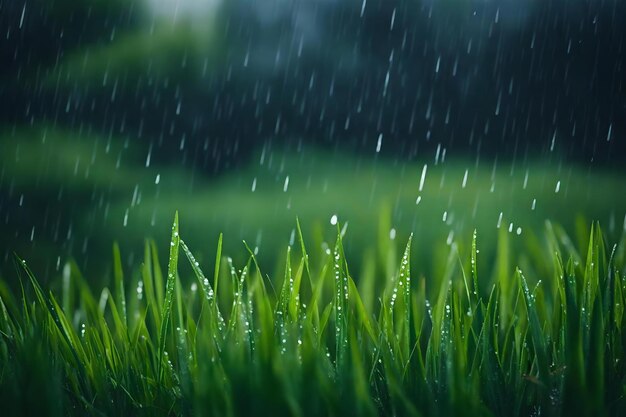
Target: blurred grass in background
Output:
[(109, 190)]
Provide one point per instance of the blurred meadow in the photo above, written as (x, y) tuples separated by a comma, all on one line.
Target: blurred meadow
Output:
[(78, 193)]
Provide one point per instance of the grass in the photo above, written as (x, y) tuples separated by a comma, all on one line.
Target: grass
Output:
[(320, 341), (100, 189)]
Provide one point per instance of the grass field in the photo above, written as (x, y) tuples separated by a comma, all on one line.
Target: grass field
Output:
[(547, 339), (78, 192)]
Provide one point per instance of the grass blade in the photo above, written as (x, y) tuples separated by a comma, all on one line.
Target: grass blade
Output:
[(172, 270)]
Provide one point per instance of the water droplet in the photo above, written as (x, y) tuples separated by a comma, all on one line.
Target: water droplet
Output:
[(423, 177)]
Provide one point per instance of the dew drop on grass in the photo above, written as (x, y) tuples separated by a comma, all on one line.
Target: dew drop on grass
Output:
[(333, 220)]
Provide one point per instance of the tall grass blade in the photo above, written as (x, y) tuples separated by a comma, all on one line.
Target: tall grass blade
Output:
[(172, 270)]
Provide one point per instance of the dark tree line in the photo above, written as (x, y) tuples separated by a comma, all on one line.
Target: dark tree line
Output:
[(483, 78)]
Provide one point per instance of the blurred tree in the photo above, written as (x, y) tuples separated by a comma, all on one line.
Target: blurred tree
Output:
[(204, 85)]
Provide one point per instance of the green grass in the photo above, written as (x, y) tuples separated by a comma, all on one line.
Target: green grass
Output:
[(319, 341), (102, 187)]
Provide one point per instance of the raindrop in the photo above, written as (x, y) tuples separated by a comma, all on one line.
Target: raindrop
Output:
[(525, 180), (450, 238), (149, 157), (333, 220), (22, 16), (423, 177), (386, 85)]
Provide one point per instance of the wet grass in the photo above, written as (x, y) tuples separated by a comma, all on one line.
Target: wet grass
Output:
[(319, 341)]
